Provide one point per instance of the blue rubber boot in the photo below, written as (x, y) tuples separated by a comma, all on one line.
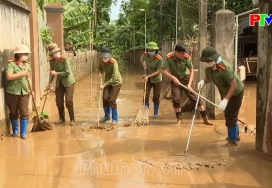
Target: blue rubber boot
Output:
[(232, 135), (114, 116), (156, 108), (14, 124), (238, 136), (107, 114), (147, 104), (23, 126)]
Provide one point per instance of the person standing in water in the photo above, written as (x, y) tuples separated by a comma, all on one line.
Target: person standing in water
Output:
[(230, 88), (152, 63), (108, 67)]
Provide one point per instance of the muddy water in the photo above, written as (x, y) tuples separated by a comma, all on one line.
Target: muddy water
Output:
[(128, 156)]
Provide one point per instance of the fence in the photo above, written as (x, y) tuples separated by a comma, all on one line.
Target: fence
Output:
[(44, 65), (188, 12), (83, 63)]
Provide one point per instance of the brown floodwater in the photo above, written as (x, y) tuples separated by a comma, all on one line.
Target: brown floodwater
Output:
[(129, 157)]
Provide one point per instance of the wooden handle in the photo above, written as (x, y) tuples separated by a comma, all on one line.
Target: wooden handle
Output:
[(34, 103), (144, 90)]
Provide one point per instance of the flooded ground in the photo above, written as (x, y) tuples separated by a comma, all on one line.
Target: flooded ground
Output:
[(129, 157)]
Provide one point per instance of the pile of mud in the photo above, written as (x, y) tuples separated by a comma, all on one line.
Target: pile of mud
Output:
[(2, 135), (136, 123), (98, 128), (188, 162)]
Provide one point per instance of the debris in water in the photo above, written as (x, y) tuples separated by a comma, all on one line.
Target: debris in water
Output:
[(101, 128), (2, 135), (137, 123), (193, 163)]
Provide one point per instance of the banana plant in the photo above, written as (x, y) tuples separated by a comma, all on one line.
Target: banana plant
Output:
[(76, 13)]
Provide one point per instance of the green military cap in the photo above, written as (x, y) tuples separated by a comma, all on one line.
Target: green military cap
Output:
[(152, 46), (209, 54), (105, 53)]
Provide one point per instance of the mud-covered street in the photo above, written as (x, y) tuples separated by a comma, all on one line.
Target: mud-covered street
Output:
[(128, 157)]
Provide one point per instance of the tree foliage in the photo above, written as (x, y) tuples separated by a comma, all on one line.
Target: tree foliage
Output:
[(84, 23), (164, 11)]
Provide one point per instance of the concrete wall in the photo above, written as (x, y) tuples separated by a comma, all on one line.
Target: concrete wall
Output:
[(222, 40), (14, 17), (264, 86), (83, 63), (14, 21)]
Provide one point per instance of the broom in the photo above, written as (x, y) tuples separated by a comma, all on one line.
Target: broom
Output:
[(40, 123), (45, 115), (142, 118)]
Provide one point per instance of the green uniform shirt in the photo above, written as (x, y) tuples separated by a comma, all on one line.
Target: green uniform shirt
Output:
[(63, 68), (112, 74), (178, 67), (18, 86), (222, 76), (153, 66)]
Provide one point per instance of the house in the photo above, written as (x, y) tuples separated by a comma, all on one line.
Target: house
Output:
[(247, 42)]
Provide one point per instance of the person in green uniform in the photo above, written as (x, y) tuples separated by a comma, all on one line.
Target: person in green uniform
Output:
[(182, 72), (17, 92), (230, 88), (152, 63), (108, 68), (60, 67)]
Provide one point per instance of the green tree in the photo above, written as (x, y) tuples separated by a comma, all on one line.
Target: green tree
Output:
[(237, 6)]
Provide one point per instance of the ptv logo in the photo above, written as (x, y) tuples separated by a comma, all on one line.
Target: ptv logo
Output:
[(261, 18)]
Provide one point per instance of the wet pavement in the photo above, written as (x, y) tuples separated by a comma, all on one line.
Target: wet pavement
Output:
[(145, 157)]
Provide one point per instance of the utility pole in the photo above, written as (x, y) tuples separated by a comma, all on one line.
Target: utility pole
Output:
[(202, 41), (176, 21), (160, 24), (153, 26), (95, 14), (224, 4), (134, 44), (93, 24), (143, 10)]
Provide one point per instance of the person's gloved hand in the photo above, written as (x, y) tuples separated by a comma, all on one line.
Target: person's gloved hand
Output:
[(223, 104), (200, 84)]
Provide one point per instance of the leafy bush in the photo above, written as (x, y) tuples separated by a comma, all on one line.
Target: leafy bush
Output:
[(46, 36)]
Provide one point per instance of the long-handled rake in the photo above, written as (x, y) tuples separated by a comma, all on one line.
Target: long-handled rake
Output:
[(95, 124), (207, 100), (192, 124), (40, 123)]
